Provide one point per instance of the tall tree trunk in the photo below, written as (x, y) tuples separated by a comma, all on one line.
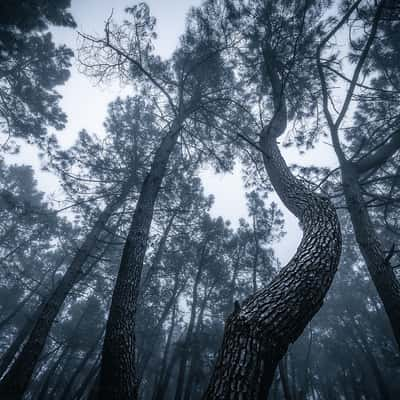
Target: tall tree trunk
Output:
[(118, 373), (378, 264), (257, 335), (17, 379)]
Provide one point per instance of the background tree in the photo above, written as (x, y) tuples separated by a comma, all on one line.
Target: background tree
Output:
[(31, 67)]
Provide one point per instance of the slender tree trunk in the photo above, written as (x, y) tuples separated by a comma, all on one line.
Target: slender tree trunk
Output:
[(17, 379), (15, 346), (5, 321), (118, 373), (167, 378), (379, 266), (159, 253), (63, 368), (189, 334), (235, 273), (257, 250), (257, 335), (195, 359), (284, 378), (366, 350), (159, 388), (80, 368), (50, 374), (157, 329), (90, 378)]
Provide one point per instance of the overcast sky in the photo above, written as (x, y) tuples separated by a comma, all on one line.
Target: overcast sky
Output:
[(86, 104)]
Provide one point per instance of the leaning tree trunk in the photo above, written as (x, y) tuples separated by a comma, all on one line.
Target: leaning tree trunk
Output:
[(17, 379), (258, 334), (118, 373)]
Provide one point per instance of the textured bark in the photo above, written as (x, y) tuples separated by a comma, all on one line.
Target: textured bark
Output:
[(15, 382), (118, 372), (257, 335)]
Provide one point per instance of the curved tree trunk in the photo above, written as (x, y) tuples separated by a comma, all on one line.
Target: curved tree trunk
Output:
[(118, 372), (17, 379), (258, 334)]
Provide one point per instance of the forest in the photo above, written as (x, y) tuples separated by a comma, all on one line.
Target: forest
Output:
[(119, 277)]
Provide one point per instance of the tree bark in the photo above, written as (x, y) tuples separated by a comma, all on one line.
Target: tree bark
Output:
[(257, 335), (118, 372), (17, 379)]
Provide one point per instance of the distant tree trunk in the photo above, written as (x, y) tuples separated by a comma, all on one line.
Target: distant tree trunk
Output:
[(90, 378), (80, 367), (118, 373), (284, 379), (257, 250), (157, 329), (5, 321), (180, 382), (13, 349), (160, 387), (366, 350), (63, 368), (160, 252), (195, 359), (50, 374), (17, 379), (167, 378), (258, 334), (235, 273)]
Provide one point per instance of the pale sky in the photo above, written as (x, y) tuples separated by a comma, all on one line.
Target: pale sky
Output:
[(86, 104)]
